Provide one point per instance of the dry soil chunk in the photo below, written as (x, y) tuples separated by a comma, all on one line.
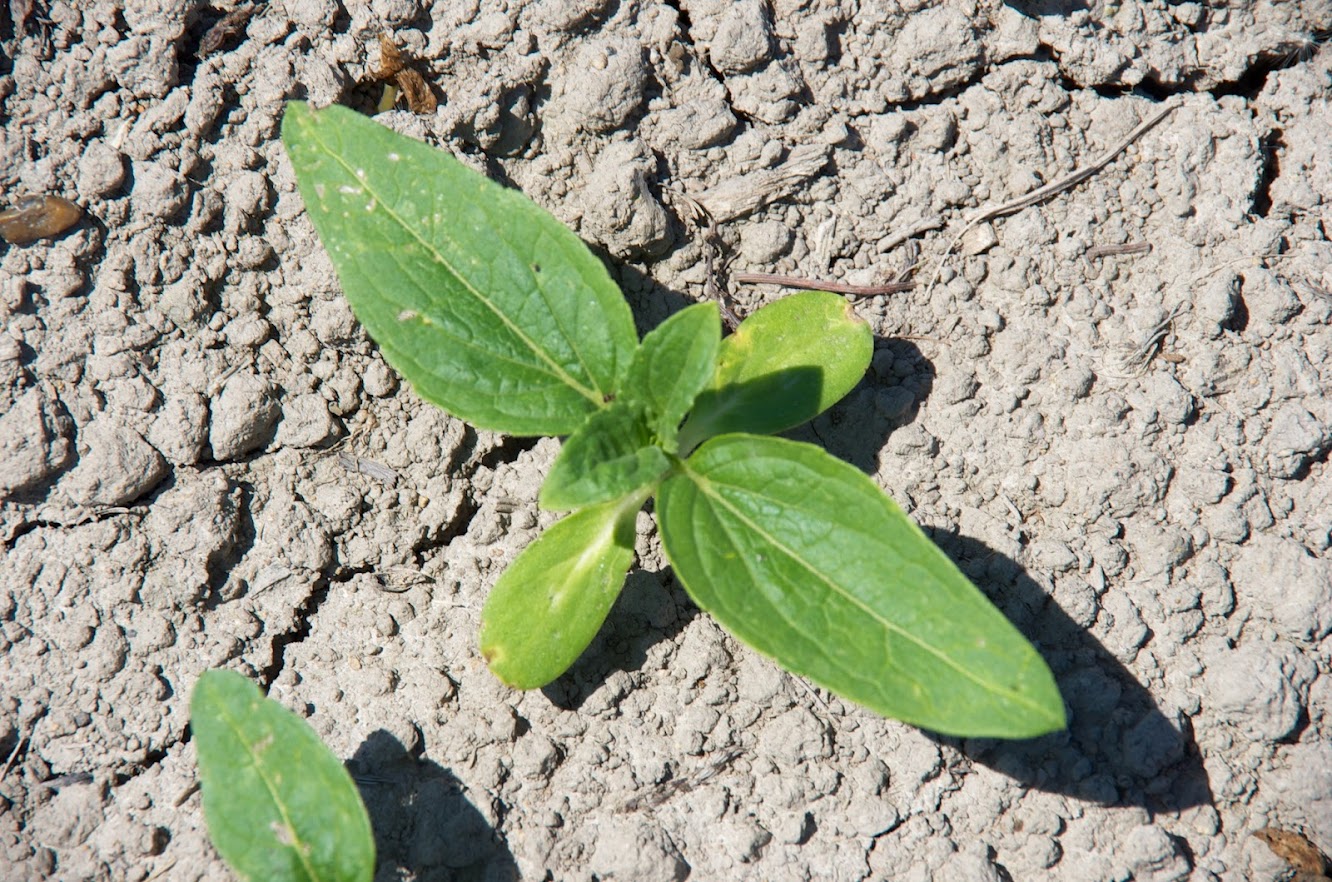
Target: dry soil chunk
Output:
[(605, 84), (1260, 688), (243, 417), (1296, 439), (743, 40), (180, 427), (34, 442), (119, 466), (101, 170), (306, 422), (1304, 779), (621, 213), (1282, 578), (1155, 855), (160, 192), (635, 848)]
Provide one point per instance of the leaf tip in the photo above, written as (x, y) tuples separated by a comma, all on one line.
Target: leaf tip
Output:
[(295, 113)]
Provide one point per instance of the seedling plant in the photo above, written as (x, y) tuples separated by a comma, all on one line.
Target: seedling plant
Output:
[(280, 807), (499, 314)]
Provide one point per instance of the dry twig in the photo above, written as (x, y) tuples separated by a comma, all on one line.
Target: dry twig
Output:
[(1115, 250), (746, 193), (662, 792), (817, 285), (1040, 194)]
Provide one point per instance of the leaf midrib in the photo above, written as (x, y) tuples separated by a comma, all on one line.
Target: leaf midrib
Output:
[(554, 368), (232, 723), (706, 488)]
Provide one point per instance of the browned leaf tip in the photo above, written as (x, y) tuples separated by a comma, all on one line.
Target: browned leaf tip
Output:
[(229, 26), (392, 66), (1302, 855)]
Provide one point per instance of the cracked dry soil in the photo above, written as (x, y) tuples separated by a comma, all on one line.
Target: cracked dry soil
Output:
[(204, 462)]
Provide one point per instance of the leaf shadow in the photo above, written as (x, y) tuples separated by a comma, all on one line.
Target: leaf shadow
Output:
[(651, 609), (425, 826), (888, 398), (1120, 748), (1042, 8)]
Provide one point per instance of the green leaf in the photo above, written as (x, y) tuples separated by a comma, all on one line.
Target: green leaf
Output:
[(610, 455), (802, 557), (279, 805), (673, 364), (487, 304), (552, 599), (787, 363)]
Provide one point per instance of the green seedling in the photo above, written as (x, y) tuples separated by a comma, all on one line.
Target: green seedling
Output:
[(496, 312), (279, 806)]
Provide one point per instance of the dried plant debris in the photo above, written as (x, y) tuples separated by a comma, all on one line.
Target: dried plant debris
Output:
[(1304, 857), (1132, 360), (19, 11), (664, 791), (741, 195), (379, 472), (394, 69), (37, 217), (228, 27)]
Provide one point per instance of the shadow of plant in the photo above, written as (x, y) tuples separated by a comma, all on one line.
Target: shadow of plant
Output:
[(652, 608), (425, 826), (1120, 748)]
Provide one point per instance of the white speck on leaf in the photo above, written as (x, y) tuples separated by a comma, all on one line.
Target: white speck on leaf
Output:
[(283, 834), (349, 190), (407, 315), (393, 157), (370, 206)]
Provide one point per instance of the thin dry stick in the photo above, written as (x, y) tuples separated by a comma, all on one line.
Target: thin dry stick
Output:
[(925, 226), (817, 285), (664, 791), (1040, 194), (162, 872), (14, 754), (1113, 250)]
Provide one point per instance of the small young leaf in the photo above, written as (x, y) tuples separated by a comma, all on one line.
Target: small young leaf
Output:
[(492, 309), (610, 455), (675, 361), (552, 599), (786, 364), (278, 804), (802, 557)]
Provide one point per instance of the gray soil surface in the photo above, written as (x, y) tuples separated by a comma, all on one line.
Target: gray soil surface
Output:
[(205, 463)]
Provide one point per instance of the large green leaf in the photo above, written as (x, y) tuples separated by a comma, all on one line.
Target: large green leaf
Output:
[(552, 599), (802, 557), (675, 361), (610, 455), (786, 364), (488, 305), (279, 806)]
